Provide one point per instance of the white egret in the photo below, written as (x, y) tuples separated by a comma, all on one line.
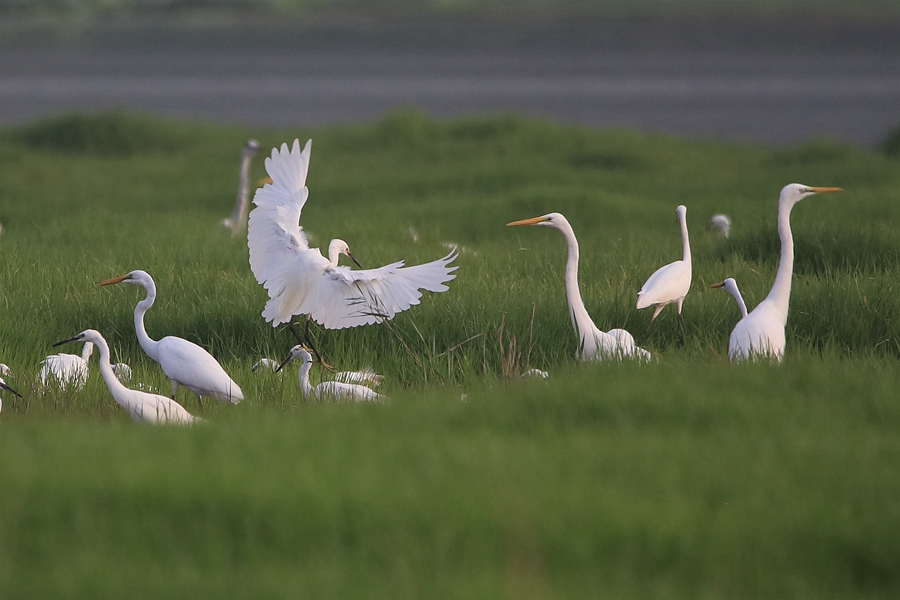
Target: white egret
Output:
[(140, 406), (366, 377), (730, 286), (5, 371), (66, 370), (238, 218), (123, 372), (593, 344), (184, 363), (265, 364), (669, 284), (761, 332), (300, 281), (327, 389), (720, 223)]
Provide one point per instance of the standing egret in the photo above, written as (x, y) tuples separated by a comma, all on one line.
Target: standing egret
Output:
[(761, 332), (237, 220), (670, 283), (593, 344), (67, 370), (184, 363), (327, 389), (300, 281), (141, 406), (720, 223), (730, 286)]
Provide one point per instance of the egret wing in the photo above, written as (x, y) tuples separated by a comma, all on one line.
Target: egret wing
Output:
[(274, 235), (346, 298)]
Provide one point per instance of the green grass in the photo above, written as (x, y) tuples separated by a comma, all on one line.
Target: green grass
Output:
[(686, 478)]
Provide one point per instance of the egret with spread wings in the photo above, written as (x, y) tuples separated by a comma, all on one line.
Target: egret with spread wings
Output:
[(300, 281)]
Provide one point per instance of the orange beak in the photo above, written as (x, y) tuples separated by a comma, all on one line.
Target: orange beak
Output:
[(113, 280), (533, 221), (717, 285), (826, 190)]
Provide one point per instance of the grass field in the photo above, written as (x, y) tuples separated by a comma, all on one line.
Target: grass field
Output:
[(685, 478)]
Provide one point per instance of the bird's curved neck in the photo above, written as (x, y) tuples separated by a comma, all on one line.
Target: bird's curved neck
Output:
[(149, 345), (333, 255), (239, 213), (106, 370), (86, 351), (780, 294), (740, 301), (581, 320), (685, 242), (303, 377)]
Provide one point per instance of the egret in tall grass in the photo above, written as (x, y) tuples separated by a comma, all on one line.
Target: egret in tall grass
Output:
[(720, 223), (593, 344), (367, 376), (140, 406), (669, 284), (66, 370), (761, 332), (237, 220), (5, 372), (184, 363), (327, 389), (300, 281), (730, 286)]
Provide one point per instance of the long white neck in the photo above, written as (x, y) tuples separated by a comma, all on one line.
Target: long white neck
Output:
[(581, 320), (109, 377), (685, 242), (149, 345), (305, 388), (334, 254), (740, 300), (780, 294), (239, 214), (86, 351)]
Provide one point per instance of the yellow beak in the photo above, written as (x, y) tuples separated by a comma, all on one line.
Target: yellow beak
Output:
[(113, 280), (533, 221), (717, 285), (825, 190)]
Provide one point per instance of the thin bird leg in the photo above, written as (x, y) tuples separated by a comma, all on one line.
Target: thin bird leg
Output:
[(307, 341), (200, 402), (656, 312)]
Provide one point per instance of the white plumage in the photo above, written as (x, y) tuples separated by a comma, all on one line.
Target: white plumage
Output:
[(140, 406), (593, 344), (66, 370), (730, 286), (761, 333), (300, 280), (327, 389), (670, 283), (184, 363), (720, 223)]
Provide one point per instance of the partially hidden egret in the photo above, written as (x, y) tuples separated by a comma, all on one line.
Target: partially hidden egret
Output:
[(238, 219), (720, 223), (66, 370), (327, 389), (366, 376), (5, 372), (300, 281), (730, 286), (184, 363), (140, 406), (593, 344), (761, 332), (669, 284)]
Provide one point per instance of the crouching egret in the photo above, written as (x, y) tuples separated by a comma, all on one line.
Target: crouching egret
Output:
[(593, 344), (300, 281), (184, 363), (265, 364), (720, 223), (140, 406), (327, 389), (670, 283), (66, 370), (761, 332)]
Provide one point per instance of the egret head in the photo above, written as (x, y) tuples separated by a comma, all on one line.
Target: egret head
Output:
[(680, 212), (138, 277), (88, 335), (5, 370), (298, 352), (251, 147), (795, 192), (338, 247), (548, 220), (729, 285), (4, 386)]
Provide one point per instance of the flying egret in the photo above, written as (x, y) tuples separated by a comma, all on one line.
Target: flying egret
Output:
[(300, 281), (761, 332), (238, 218), (67, 370), (327, 389), (593, 344), (670, 283), (141, 406), (184, 363), (730, 286), (720, 223)]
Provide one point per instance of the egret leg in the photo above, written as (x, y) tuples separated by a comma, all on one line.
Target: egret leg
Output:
[(656, 312), (200, 401), (308, 342), (175, 385), (680, 324)]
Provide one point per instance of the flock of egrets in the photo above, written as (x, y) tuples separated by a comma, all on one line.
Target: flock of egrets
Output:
[(301, 281)]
